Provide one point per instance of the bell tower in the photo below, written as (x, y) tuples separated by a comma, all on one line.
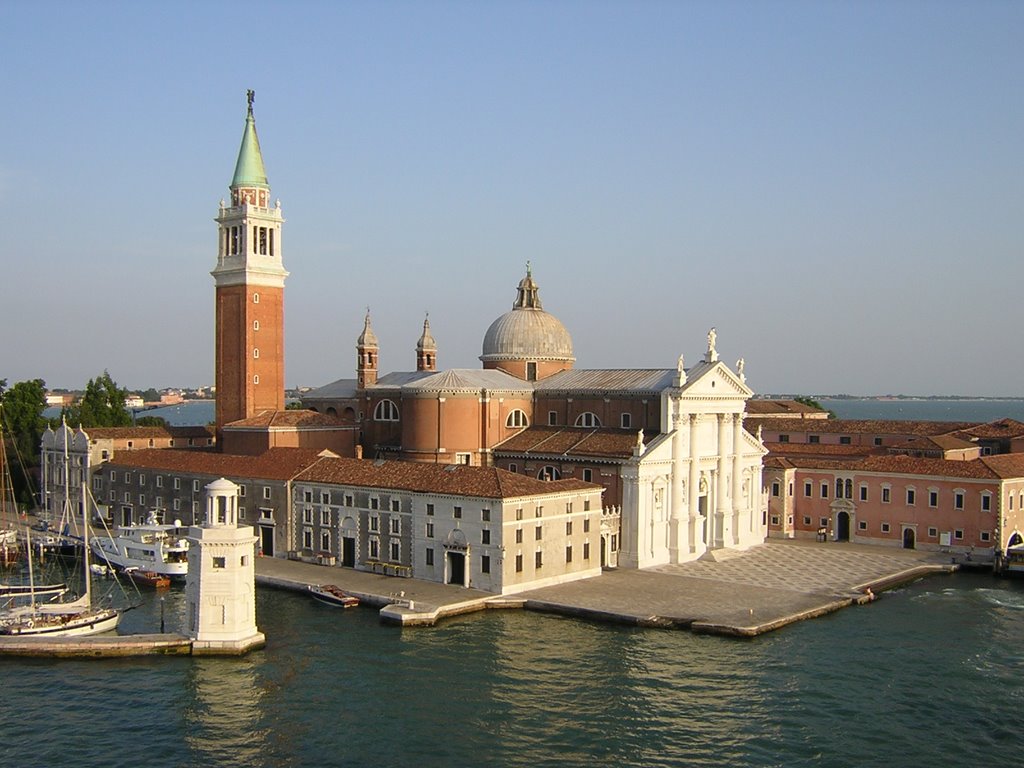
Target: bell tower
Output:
[(249, 280)]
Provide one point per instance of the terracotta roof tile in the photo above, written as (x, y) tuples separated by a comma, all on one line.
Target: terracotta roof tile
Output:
[(275, 464), (857, 426), (573, 441), (909, 465), (143, 433), (996, 429), (756, 407), (823, 450), (453, 479), (287, 419)]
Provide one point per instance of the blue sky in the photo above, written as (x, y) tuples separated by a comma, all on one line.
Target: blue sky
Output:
[(837, 187)]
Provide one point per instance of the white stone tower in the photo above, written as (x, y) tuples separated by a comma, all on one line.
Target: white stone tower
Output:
[(220, 592)]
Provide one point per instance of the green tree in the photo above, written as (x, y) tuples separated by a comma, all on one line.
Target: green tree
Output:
[(22, 407), (151, 396), (102, 405), (151, 421), (810, 401)]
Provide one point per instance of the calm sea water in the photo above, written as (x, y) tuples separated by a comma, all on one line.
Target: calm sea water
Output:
[(929, 675), (929, 410)]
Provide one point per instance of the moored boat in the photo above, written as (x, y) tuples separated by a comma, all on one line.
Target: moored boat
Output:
[(145, 578), (150, 546), (332, 595)]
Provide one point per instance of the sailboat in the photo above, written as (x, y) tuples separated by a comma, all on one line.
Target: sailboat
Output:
[(70, 619)]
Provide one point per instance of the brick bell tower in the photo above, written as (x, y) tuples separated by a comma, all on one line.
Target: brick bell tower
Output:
[(249, 280)]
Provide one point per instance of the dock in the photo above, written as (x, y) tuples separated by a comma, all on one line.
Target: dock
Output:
[(738, 594)]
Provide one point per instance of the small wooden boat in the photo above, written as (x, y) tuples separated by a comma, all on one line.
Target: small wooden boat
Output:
[(146, 578), (329, 594)]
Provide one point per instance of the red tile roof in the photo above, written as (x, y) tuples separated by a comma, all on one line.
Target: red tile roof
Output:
[(996, 429), (144, 433), (452, 479), (287, 419), (573, 442), (275, 464), (823, 450), (857, 426), (756, 407), (910, 465)]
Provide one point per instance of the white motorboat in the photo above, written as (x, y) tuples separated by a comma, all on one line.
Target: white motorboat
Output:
[(150, 546)]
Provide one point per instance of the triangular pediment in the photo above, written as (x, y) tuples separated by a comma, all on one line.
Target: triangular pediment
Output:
[(714, 380)]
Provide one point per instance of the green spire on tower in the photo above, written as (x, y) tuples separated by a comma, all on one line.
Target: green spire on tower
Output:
[(249, 171)]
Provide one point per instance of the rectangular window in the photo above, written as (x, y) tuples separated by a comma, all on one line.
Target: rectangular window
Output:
[(307, 516), (159, 481), (958, 500), (824, 490), (457, 512), (538, 559), (266, 492), (863, 493), (219, 562), (307, 538), (984, 535), (485, 536), (823, 522), (958, 533), (807, 520), (814, 439), (325, 541), (430, 509), (307, 496), (986, 503), (539, 512), (519, 514), (911, 497), (142, 499), (519, 563), (325, 497), (552, 418), (885, 494), (325, 517), (586, 525), (374, 503), (396, 525), (933, 532), (177, 483), (396, 505), (538, 533), (885, 527), (519, 535), (568, 554), (176, 505), (485, 564), (485, 515), (933, 498), (396, 551), (142, 480), (349, 501), (374, 523), (861, 525), (586, 550), (807, 488), (775, 519), (845, 440), (430, 530), (776, 488), (627, 421), (588, 475), (241, 490), (783, 438), (374, 549), (430, 557), (568, 528)]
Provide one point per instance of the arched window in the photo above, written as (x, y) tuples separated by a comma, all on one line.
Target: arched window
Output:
[(256, 378), (255, 353), (517, 418), (588, 419), (549, 472), (386, 410), (255, 298), (849, 488)]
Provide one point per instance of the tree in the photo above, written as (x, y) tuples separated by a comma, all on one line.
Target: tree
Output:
[(151, 396), (810, 401), (151, 421), (102, 405), (22, 409)]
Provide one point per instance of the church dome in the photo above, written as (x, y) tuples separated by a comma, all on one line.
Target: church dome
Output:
[(527, 332)]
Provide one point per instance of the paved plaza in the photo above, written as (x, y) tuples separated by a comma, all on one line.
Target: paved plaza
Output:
[(739, 593)]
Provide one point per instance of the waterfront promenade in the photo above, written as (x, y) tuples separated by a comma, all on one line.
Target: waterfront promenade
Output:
[(739, 594)]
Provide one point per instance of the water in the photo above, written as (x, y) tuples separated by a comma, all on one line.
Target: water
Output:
[(927, 410), (928, 675)]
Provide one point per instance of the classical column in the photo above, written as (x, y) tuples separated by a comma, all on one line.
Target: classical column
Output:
[(721, 534), (737, 475), (677, 521), (694, 486)]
